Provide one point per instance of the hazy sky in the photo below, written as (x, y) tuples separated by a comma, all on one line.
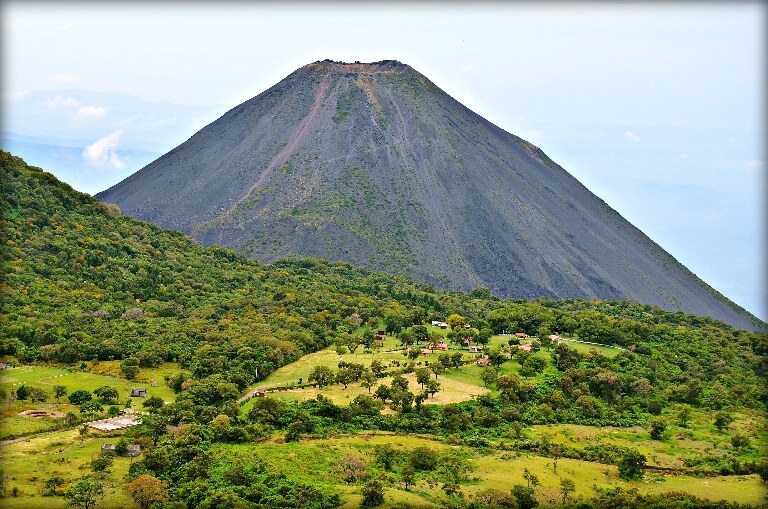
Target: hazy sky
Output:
[(657, 108)]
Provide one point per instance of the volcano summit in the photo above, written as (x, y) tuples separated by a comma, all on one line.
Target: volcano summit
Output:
[(375, 165)]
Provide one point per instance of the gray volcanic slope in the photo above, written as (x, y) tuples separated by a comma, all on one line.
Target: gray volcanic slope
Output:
[(375, 165)]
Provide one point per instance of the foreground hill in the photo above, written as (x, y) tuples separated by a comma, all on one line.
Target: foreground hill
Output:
[(375, 165), (83, 283)]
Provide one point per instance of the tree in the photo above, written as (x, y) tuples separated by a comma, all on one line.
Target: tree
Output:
[(408, 475), (422, 458), (79, 397), (22, 393), (632, 465), (436, 368), (532, 366), (153, 403), (382, 392), (457, 359), (113, 411), (373, 494), (555, 452), (433, 386), (488, 376), (406, 337), (146, 490), (85, 493), (422, 376), (368, 380), (345, 376), (130, 368), (496, 357), (351, 342), (722, 420), (399, 382), (378, 367), (455, 321), (59, 391), (445, 360), (531, 478), (567, 486), (386, 456), (739, 441), (91, 408), (321, 375), (684, 415), (156, 426), (509, 385), (71, 419), (525, 496), (495, 498), (107, 394), (121, 448), (352, 469), (658, 426), (420, 333)]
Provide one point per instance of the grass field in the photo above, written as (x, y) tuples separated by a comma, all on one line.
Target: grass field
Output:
[(317, 459), (46, 377), (28, 464), (457, 384)]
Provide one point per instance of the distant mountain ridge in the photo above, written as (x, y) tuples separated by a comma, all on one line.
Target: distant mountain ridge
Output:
[(375, 165)]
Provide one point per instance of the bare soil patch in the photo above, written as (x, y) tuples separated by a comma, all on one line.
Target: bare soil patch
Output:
[(40, 414)]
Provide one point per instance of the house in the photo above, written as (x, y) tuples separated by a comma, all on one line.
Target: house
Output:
[(134, 450), (475, 348), (107, 449), (439, 346), (260, 394), (381, 333), (554, 338), (139, 392), (395, 362), (443, 325), (4, 366), (426, 351), (527, 348), (521, 335), (482, 362), (435, 323)]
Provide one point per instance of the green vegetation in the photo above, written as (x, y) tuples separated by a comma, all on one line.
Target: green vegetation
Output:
[(95, 303)]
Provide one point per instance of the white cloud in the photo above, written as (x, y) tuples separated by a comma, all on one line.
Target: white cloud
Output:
[(90, 113), (62, 102), (756, 164), (632, 137), (684, 155), (14, 95), (65, 79), (102, 152)]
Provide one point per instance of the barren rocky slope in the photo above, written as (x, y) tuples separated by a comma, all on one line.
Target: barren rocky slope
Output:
[(375, 165)]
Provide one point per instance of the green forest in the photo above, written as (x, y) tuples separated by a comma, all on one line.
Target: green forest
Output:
[(91, 292)]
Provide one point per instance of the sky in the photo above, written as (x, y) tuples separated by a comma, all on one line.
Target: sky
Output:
[(658, 108)]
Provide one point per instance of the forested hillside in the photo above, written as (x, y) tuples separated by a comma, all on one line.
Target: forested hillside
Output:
[(81, 282)]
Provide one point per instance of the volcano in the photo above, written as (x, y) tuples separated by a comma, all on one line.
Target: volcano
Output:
[(373, 164)]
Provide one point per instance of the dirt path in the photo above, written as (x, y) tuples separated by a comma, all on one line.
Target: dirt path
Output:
[(13, 440), (282, 156)]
